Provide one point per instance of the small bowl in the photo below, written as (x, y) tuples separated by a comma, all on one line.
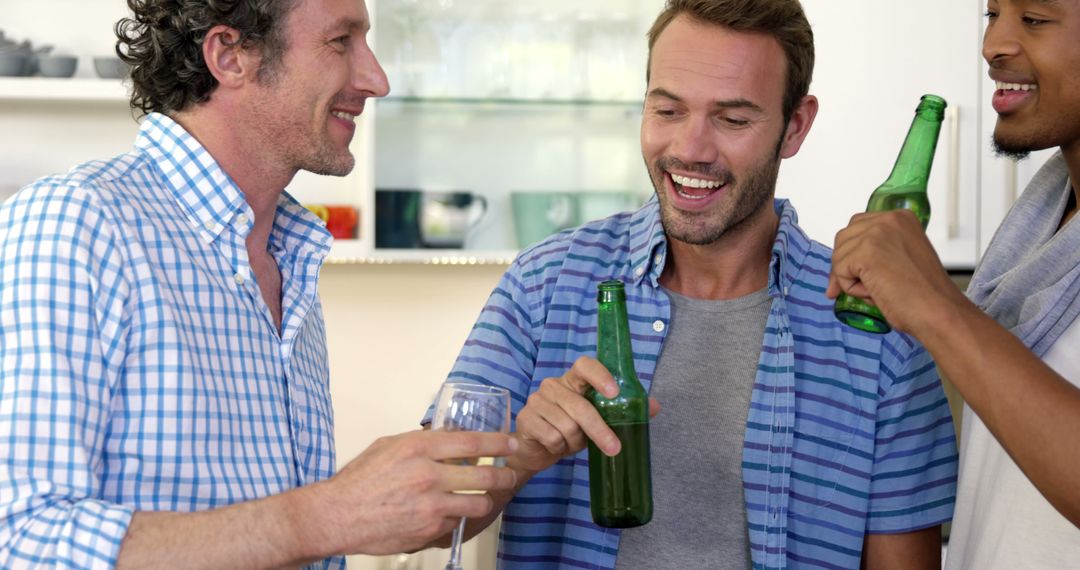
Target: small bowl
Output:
[(111, 67), (57, 65), (14, 64)]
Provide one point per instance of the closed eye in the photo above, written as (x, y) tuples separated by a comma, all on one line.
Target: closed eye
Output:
[(342, 40)]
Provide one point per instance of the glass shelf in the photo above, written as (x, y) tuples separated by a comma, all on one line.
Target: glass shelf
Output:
[(510, 101)]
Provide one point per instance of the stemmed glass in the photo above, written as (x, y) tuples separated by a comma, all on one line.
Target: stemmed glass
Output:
[(471, 407)]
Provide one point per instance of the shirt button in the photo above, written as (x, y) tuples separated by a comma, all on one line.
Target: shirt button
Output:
[(658, 326), (209, 226), (658, 259), (639, 271), (242, 218), (786, 292), (238, 278)]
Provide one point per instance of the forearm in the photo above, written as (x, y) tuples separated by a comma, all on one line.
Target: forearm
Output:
[(275, 532), (920, 549), (1024, 403)]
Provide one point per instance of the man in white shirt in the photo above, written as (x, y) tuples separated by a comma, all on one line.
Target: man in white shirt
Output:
[(1011, 349)]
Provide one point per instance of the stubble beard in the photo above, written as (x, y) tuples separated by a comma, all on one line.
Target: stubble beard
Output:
[(329, 161), (744, 199), (1038, 133), (1014, 150), (314, 152)]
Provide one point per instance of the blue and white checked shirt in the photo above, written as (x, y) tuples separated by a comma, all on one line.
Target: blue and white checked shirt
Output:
[(140, 368), (848, 433)]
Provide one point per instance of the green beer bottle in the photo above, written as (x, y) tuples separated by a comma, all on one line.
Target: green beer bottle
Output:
[(620, 487), (905, 188)]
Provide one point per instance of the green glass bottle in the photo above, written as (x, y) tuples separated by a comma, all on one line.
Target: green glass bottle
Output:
[(905, 188), (620, 487)]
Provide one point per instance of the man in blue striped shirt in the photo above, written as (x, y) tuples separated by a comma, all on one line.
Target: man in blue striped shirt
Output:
[(786, 440), (164, 395)]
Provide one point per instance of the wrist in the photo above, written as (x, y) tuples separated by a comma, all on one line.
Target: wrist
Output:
[(940, 317), (310, 521)]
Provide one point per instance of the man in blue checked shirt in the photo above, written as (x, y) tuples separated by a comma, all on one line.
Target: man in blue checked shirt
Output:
[(786, 440), (163, 376)]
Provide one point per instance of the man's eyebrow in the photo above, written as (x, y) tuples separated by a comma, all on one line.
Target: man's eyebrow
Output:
[(661, 92), (347, 23), (739, 103)]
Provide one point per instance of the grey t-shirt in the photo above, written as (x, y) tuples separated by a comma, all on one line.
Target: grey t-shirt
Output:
[(703, 380)]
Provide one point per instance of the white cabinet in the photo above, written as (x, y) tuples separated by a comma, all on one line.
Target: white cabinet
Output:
[(534, 107), (874, 60)]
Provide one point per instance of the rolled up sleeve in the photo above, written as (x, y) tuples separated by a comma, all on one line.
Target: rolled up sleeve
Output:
[(62, 297)]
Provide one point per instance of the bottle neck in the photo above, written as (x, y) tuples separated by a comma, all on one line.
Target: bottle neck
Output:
[(912, 169), (613, 348)]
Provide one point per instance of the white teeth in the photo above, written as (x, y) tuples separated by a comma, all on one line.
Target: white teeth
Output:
[(343, 115), (1016, 86), (691, 196), (696, 182)]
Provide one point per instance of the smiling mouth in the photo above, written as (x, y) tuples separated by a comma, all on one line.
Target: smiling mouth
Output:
[(344, 115), (1003, 86), (694, 188)]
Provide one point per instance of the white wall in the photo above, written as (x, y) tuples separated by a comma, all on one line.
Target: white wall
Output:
[(393, 333)]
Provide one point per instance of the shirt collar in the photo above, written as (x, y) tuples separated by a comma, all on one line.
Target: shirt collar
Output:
[(196, 181), (789, 251), (648, 246), (298, 231), (210, 197), (648, 243)]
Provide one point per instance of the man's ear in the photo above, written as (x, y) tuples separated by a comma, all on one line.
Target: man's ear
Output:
[(228, 62), (799, 125)]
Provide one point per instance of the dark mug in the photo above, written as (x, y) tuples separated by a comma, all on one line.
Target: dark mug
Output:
[(397, 218)]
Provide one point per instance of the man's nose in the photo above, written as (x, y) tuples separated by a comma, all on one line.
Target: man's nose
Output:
[(1000, 40), (695, 142), (369, 76)]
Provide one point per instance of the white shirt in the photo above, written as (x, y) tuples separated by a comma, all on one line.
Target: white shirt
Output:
[(1001, 519)]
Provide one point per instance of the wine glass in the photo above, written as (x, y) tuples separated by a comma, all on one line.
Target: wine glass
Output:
[(471, 407)]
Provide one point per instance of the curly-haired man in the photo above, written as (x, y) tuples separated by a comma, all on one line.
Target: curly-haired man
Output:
[(163, 376)]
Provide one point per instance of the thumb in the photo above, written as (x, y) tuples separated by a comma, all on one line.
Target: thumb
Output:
[(654, 407)]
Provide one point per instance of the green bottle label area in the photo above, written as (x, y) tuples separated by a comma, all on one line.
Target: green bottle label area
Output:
[(630, 406), (620, 489), (903, 198)]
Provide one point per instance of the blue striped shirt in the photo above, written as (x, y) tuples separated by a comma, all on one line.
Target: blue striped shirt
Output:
[(140, 368), (848, 433)]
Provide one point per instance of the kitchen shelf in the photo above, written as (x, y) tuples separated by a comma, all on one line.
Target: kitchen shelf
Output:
[(50, 89), (346, 252), (93, 89)]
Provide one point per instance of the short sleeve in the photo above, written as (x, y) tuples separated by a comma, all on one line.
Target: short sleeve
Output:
[(913, 482)]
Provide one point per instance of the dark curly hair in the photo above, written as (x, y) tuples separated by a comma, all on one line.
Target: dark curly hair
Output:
[(162, 42)]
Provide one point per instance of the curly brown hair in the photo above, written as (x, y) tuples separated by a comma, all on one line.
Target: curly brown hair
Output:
[(781, 19), (162, 42)]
